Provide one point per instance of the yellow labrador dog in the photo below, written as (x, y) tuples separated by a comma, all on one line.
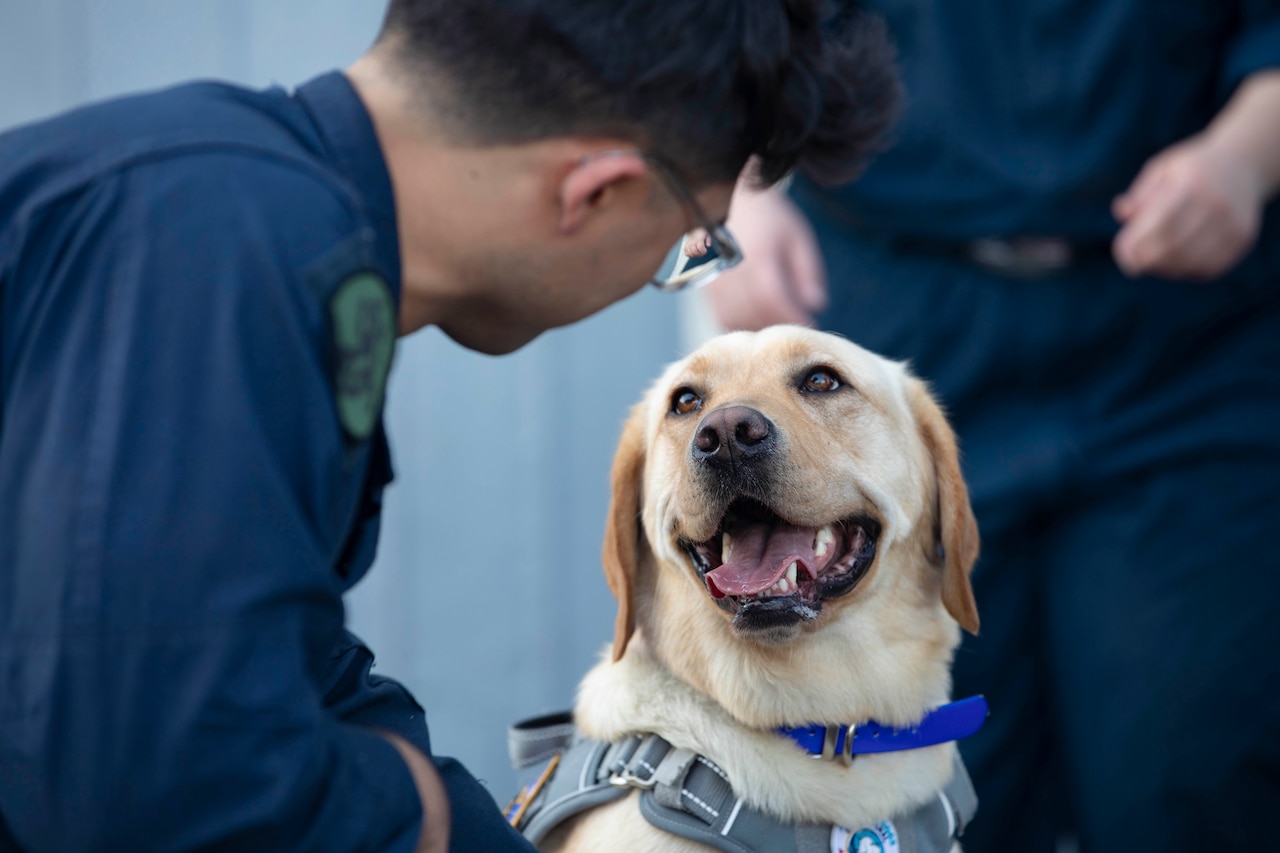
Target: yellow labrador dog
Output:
[(790, 542)]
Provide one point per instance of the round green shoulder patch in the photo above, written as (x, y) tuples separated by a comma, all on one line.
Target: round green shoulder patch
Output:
[(363, 314)]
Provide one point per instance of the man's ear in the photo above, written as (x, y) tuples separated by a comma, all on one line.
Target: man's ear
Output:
[(956, 528), (622, 528), (592, 183)]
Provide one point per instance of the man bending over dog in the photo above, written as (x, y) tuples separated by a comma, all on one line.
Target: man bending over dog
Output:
[(200, 291)]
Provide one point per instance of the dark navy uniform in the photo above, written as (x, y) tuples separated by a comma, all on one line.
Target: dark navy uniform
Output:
[(1121, 438), (199, 291)]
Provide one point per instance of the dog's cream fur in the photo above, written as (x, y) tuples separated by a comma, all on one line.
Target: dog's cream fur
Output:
[(880, 447)]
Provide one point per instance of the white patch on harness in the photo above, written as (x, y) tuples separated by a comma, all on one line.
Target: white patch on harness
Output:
[(881, 838)]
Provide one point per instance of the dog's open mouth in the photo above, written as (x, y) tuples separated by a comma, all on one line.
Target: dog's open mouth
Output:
[(766, 570)]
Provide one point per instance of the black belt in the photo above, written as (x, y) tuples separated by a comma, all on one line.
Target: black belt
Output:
[(1014, 257), (1024, 257)]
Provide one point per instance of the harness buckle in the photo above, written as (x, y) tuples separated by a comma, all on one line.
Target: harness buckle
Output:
[(628, 779)]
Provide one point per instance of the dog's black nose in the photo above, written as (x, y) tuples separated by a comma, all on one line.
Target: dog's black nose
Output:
[(733, 433)]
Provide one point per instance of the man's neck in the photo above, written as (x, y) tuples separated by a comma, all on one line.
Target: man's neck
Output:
[(423, 170)]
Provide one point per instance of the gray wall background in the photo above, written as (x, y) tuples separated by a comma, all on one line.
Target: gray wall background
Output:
[(487, 599)]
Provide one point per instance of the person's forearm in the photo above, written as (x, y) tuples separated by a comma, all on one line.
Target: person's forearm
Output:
[(1248, 127)]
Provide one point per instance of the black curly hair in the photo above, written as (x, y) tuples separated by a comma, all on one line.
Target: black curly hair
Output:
[(703, 84)]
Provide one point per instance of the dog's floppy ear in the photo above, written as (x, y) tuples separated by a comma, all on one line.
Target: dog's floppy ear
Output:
[(622, 528), (957, 529)]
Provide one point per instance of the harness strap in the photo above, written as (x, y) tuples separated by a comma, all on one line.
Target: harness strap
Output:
[(535, 740), (702, 807), (688, 795), (576, 785)]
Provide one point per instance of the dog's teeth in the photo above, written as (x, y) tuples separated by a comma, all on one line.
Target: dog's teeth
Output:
[(791, 572), (823, 540), (725, 545)]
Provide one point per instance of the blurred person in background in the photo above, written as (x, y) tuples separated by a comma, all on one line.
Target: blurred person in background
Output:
[(200, 291), (1070, 238)]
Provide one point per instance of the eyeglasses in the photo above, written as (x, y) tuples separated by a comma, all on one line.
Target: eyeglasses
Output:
[(680, 271)]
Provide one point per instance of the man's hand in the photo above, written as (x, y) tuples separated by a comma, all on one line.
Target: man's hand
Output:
[(435, 802), (1195, 209), (781, 278), (1193, 212)]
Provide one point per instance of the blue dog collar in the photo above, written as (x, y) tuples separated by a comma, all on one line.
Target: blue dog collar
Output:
[(949, 722)]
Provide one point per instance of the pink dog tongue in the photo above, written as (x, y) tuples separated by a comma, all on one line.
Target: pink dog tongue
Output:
[(760, 555)]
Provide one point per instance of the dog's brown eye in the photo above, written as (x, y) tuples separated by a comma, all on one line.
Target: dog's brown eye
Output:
[(685, 401), (821, 381)]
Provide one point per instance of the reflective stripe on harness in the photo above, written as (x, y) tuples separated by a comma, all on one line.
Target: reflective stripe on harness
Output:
[(687, 794)]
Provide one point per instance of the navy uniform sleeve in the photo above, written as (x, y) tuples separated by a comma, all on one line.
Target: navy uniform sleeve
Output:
[(359, 696), (1257, 45), (356, 695), (170, 470)]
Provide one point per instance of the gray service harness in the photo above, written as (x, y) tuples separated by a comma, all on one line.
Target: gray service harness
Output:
[(563, 773)]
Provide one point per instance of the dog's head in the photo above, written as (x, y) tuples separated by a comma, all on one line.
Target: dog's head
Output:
[(776, 487)]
